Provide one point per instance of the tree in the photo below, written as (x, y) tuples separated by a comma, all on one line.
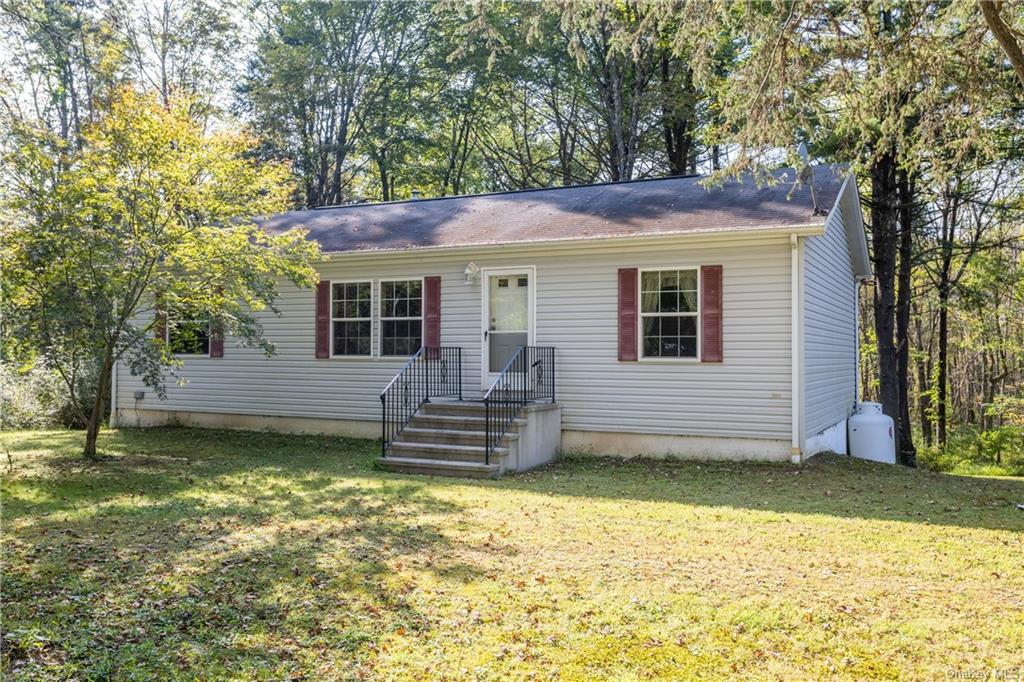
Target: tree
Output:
[(62, 59), (179, 46), (970, 214), (1008, 36), (888, 88), (149, 211), (613, 43)]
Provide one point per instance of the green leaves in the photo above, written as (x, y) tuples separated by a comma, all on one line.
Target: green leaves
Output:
[(151, 202)]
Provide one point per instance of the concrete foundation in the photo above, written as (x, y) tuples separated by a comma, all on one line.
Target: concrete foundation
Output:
[(832, 439), (684, 447), (249, 422)]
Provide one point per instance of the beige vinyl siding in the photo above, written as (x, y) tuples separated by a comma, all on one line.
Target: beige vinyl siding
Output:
[(748, 395), (830, 328)]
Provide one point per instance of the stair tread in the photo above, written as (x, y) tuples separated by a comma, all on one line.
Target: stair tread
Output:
[(414, 430), (458, 417), (438, 463)]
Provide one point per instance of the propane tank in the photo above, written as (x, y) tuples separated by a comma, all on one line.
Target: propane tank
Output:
[(872, 434)]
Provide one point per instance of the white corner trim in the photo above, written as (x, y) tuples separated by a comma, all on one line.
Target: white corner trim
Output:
[(113, 395), (794, 336)]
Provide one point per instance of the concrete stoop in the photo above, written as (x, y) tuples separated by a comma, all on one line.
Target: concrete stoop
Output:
[(446, 438)]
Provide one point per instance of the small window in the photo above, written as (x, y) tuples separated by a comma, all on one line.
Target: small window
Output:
[(351, 307), (669, 313), (188, 336), (401, 317)]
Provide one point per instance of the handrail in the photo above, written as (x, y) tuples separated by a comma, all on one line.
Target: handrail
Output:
[(528, 377), (432, 372)]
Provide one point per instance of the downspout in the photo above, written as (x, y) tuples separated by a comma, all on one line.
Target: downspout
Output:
[(113, 396), (794, 335)]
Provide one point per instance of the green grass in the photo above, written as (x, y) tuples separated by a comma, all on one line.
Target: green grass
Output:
[(204, 554)]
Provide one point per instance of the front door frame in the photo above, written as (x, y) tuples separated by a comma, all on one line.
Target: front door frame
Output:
[(486, 376)]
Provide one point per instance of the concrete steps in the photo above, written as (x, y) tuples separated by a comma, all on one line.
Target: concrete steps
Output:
[(448, 438)]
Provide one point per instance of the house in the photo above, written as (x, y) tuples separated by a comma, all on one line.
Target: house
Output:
[(657, 317)]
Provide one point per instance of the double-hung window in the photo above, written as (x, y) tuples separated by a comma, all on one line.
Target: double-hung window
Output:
[(351, 323), (188, 336), (401, 317), (669, 311)]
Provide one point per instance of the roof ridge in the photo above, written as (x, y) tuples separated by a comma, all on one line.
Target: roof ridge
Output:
[(504, 192)]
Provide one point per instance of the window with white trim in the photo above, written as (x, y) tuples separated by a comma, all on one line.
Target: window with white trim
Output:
[(669, 309), (401, 317), (351, 323)]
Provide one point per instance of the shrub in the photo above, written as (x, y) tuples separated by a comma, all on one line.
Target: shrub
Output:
[(998, 451), (31, 399)]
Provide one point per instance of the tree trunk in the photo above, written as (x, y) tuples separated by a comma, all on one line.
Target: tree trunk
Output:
[(99, 406), (923, 374), (676, 117), (1005, 35), (382, 169), (905, 450), (943, 368), (884, 241)]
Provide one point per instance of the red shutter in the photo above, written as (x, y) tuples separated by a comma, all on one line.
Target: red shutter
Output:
[(217, 334), (323, 319), (216, 340), (627, 313), (431, 312), (711, 313)]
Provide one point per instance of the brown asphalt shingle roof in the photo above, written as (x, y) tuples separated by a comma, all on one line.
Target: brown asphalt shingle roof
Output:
[(625, 209)]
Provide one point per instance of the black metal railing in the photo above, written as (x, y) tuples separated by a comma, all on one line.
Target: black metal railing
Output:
[(528, 377), (434, 372)]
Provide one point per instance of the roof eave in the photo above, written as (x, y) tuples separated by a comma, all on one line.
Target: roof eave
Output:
[(848, 206), (718, 234)]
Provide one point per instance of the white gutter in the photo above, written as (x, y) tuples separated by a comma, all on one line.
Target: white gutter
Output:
[(794, 335), (743, 233)]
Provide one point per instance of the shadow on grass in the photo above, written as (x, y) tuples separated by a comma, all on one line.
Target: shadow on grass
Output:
[(828, 484), (214, 545), (203, 551)]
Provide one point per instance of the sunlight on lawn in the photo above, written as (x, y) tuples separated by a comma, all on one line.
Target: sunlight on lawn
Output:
[(214, 554)]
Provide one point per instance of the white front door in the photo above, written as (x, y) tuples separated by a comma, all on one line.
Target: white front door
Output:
[(508, 303)]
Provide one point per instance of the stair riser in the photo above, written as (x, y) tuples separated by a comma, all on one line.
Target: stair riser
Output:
[(459, 438), (444, 457), (399, 449), (461, 409), (399, 467), (421, 421)]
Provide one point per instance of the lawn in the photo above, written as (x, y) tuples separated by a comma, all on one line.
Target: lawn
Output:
[(203, 554)]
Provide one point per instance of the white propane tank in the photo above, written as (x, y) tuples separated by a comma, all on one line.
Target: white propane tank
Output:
[(872, 434)]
